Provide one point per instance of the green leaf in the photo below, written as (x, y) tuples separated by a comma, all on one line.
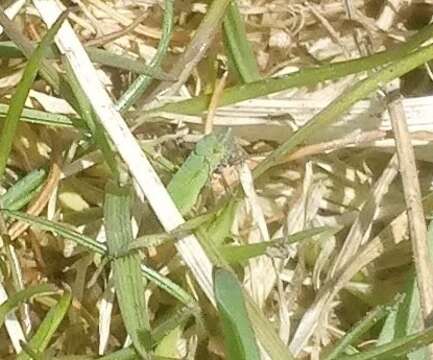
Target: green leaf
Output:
[(48, 327), (372, 318), (128, 281), (59, 229), (238, 48), (396, 348), (220, 228), (44, 118), (239, 339), (139, 86), (241, 253), (86, 111), (21, 296), (18, 99), (340, 105), (303, 77), (405, 319), (22, 191)]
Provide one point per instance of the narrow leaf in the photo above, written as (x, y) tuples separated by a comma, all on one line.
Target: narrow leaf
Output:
[(238, 48), (21, 296), (48, 327), (395, 348), (18, 99), (20, 193), (241, 253)]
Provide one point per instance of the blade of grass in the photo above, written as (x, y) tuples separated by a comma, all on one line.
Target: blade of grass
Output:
[(88, 115), (239, 339), (182, 230), (172, 321), (220, 228), (21, 93), (20, 193), (48, 72), (303, 77), (241, 253), (238, 48), (405, 319), (48, 326), (21, 296), (139, 86), (30, 353), (350, 96), (372, 318), (128, 282), (59, 229), (44, 118), (395, 348), (103, 57)]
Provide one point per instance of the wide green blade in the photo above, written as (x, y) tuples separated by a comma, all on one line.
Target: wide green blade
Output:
[(128, 281), (239, 338)]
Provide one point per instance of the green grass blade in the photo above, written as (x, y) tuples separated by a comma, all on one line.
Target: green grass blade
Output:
[(128, 282), (20, 193), (241, 253), (22, 91), (304, 77), (395, 348), (239, 339), (21, 296), (31, 354), (372, 318), (336, 108), (103, 57), (237, 46), (174, 319), (157, 239), (47, 71), (44, 118), (59, 229), (128, 63), (139, 86), (88, 115), (221, 227), (48, 327), (405, 319)]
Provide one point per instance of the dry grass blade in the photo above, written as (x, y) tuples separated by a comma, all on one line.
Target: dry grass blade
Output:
[(361, 229), (358, 234), (412, 194)]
